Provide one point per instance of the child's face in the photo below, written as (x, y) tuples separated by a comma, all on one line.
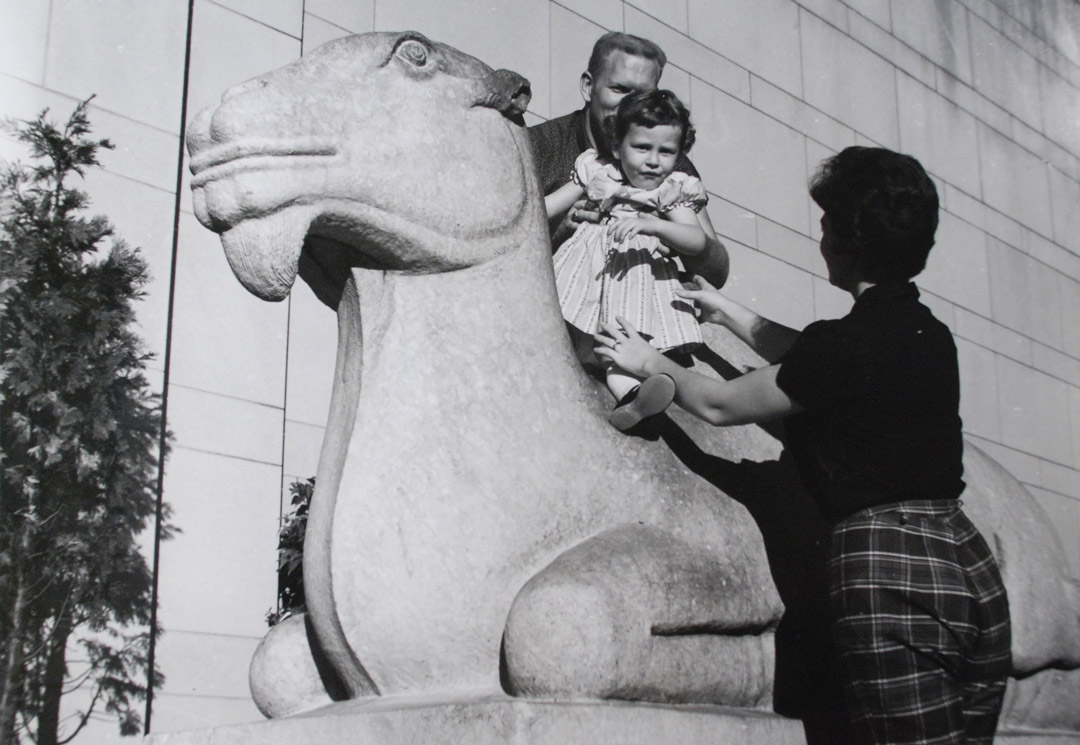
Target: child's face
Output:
[(647, 155)]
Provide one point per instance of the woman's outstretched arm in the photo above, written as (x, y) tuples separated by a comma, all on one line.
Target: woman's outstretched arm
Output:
[(768, 339), (753, 397)]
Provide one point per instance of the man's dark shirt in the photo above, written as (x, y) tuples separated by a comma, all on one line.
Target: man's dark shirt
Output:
[(557, 143), (881, 393)]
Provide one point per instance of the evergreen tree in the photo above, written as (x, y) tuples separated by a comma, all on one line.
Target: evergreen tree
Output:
[(290, 571), (80, 430)]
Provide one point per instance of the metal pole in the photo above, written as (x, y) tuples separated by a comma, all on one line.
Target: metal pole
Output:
[(163, 435)]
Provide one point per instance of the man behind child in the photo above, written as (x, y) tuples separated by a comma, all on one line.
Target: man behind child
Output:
[(620, 64)]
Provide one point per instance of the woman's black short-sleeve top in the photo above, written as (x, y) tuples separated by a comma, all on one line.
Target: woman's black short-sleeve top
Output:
[(881, 393)]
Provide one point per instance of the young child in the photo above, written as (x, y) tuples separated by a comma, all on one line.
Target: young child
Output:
[(623, 266)]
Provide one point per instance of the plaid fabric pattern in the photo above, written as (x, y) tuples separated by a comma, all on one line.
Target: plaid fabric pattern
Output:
[(921, 621)]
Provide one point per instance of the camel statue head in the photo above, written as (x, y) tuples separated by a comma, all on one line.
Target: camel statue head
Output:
[(367, 155)]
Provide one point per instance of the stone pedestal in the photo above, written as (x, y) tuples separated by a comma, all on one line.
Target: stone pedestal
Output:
[(501, 720)]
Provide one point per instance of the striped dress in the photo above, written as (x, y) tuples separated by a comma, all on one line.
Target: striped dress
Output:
[(598, 278)]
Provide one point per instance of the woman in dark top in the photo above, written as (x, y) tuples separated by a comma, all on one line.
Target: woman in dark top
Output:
[(871, 407)]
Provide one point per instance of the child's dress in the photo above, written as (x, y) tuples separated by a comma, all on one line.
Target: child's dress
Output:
[(599, 278)]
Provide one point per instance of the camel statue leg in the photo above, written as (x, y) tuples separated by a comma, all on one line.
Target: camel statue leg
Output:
[(289, 672), (577, 628)]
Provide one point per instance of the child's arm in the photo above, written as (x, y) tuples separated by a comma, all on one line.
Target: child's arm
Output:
[(559, 201), (679, 229)]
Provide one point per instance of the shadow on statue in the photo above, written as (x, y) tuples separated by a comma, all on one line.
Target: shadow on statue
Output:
[(807, 684)]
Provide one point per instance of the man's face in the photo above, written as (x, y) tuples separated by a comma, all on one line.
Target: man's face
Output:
[(621, 74)]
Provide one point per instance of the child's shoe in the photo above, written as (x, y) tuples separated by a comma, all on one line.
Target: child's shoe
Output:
[(652, 397)]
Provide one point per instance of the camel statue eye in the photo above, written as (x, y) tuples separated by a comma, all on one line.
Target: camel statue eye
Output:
[(413, 51)]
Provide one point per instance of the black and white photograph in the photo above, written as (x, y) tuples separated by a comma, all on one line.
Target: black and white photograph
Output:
[(540, 372)]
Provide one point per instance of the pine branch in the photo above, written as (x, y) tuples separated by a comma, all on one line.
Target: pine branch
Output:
[(85, 716)]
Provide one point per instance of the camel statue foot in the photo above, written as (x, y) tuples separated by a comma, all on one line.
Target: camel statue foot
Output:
[(289, 674), (625, 615)]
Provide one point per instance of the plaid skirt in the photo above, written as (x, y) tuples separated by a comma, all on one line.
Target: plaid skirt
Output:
[(921, 624)]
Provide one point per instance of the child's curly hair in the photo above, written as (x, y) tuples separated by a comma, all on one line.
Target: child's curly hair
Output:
[(650, 109)]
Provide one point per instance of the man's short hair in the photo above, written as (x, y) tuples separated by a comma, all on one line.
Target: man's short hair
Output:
[(617, 41), (881, 206)]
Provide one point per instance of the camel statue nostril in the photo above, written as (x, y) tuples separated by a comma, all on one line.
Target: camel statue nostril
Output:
[(520, 100), (506, 92)]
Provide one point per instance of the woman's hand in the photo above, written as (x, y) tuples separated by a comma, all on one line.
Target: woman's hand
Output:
[(625, 348), (714, 307), (767, 338)]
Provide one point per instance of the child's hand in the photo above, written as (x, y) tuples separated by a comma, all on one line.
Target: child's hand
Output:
[(625, 348), (624, 228), (714, 307)]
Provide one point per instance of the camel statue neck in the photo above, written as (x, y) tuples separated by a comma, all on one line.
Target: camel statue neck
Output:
[(502, 313)]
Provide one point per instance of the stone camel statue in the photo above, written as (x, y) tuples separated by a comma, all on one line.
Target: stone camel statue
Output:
[(477, 527)]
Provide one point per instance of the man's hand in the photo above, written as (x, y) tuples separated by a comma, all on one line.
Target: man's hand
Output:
[(582, 211), (712, 263)]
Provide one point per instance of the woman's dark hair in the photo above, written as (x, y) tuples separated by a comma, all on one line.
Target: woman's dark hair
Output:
[(650, 109), (881, 206)]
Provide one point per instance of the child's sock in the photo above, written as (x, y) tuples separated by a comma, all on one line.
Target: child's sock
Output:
[(620, 384)]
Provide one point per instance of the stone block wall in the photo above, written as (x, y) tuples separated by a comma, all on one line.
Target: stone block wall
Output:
[(986, 93)]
